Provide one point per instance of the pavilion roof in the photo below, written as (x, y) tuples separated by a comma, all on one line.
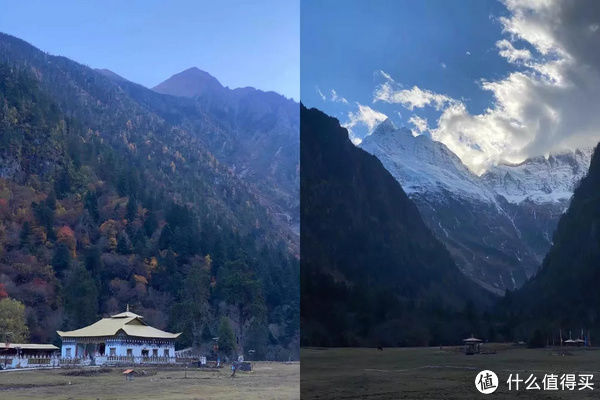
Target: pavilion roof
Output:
[(128, 322), (126, 314), (27, 346)]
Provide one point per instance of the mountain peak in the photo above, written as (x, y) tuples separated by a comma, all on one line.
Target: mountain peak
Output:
[(385, 127), (191, 82)]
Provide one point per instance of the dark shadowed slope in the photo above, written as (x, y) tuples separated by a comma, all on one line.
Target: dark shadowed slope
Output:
[(372, 273), (564, 293)]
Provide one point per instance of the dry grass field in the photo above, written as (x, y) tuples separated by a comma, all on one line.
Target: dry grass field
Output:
[(267, 381), (434, 373)]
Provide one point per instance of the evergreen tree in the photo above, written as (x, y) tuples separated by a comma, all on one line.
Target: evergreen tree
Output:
[(150, 223), (62, 185), (242, 290), (226, 338), (166, 237), (61, 261), (93, 263), (24, 236), (80, 297), (257, 339), (91, 204), (196, 293), (131, 212), (123, 245), (44, 213), (51, 201)]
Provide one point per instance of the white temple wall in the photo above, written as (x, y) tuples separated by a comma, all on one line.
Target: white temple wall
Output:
[(120, 349), (137, 349)]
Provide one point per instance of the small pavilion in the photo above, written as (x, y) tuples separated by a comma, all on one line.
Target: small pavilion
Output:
[(472, 345)]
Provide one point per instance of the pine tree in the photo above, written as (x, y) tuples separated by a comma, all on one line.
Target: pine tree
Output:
[(150, 224), (226, 338), (131, 212), (91, 204), (24, 237), (242, 290), (61, 261), (81, 298)]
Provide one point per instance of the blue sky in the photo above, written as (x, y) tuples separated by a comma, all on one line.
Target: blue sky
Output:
[(241, 43), (495, 81), (344, 44)]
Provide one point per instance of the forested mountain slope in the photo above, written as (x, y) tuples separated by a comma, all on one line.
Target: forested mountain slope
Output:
[(104, 202), (255, 133)]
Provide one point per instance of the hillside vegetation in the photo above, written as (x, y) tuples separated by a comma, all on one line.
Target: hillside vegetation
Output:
[(104, 203)]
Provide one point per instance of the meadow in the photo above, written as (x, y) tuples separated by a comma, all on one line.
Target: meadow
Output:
[(268, 381), (438, 373)]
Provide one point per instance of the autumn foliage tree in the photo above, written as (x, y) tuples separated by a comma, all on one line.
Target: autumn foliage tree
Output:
[(12, 321)]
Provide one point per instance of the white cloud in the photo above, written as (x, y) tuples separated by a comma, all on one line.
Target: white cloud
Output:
[(443, 65), (468, 53), (527, 21), (548, 103), (366, 118), (336, 98), (385, 75), (419, 123), (513, 55), (333, 96), (409, 98), (321, 95)]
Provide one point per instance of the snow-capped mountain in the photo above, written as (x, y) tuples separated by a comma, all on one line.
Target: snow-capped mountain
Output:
[(540, 179), (499, 226), (423, 165)]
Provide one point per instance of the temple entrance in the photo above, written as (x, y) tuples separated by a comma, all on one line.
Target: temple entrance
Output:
[(93, 350), (89, 351)]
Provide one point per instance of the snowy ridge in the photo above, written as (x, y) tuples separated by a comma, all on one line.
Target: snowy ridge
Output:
[(422, 165), (540, 179)]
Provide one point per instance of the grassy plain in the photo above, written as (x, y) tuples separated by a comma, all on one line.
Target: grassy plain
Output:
[(434, 373), (267, 381)]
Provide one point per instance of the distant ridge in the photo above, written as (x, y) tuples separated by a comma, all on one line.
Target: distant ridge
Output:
[(110, 74)]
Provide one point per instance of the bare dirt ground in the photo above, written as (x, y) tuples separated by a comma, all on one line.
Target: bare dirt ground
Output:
[(267, 381), (434, 373)]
